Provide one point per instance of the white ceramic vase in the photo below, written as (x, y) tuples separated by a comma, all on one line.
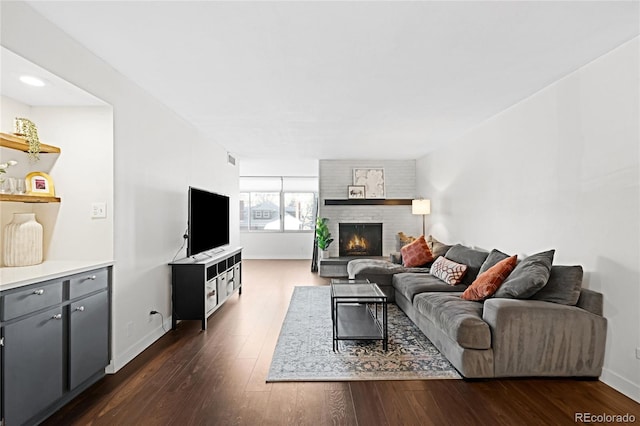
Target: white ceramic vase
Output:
[(23, 241)]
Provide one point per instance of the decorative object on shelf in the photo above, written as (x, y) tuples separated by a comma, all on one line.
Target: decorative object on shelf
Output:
[(21, 186), (40, 183), (27, 129), (423, 207), (323, 237), (3, 169), (372, 180), (356, 192), (8, 186), (23, 241), (5, 166)]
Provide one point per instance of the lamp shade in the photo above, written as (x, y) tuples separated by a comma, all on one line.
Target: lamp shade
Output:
[(421, 206)]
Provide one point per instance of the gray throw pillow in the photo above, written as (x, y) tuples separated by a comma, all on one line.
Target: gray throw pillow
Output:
[(564, 285), (529, 276), (437, 248), (494, 257), (467, 256)]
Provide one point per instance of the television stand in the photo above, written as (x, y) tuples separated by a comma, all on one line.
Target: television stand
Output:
[(199, 287)]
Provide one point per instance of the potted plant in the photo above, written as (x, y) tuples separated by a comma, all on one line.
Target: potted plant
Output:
[(27, 129), (323, 237)]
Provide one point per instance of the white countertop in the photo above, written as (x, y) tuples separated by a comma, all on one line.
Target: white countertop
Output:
[(12, 277)]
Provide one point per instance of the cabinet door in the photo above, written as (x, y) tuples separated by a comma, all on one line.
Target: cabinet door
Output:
[(32, 365), (88, 337)]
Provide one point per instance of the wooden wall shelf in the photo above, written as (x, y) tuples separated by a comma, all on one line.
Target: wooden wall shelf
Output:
[(369, 202), (28, 198), (20, 144)]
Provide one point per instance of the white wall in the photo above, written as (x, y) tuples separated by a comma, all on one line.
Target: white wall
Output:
[(278, 245), (558, 170), (157, 155)]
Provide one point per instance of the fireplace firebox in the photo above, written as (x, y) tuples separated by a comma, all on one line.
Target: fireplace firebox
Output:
[(360, 239)]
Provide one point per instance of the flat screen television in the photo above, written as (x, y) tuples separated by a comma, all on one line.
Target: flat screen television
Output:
[(208, 226)]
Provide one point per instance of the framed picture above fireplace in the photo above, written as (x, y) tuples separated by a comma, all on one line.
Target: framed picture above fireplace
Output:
[(356, 192), (372, 179)]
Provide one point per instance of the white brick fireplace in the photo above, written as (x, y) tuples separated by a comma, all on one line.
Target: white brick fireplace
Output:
[(400, 183)]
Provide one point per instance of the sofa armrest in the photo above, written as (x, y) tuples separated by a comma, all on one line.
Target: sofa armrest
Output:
[(537, 338), (591, 301)]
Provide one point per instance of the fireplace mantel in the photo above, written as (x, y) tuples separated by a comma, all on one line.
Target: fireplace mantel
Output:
[(369, 202)]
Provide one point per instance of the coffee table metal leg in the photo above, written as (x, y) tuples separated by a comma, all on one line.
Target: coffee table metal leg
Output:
[(384, 327)]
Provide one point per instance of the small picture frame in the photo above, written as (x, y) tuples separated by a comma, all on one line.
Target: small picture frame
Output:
[(356, 192), (39, 183)]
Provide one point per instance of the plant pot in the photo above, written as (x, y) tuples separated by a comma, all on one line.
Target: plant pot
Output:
[(324, 254)]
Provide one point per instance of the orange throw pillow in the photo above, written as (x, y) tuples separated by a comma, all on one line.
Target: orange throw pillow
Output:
[(490, 280), (416, 253)]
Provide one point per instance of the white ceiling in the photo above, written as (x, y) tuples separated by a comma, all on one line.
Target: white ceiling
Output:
[(55, 92), (343, 79)]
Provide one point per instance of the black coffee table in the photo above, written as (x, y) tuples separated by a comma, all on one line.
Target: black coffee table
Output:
[(358, 312)]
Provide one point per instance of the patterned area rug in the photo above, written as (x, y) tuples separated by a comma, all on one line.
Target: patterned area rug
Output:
[(304, 351)]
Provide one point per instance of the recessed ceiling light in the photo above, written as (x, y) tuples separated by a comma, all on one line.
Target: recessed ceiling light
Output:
[(31, 80)]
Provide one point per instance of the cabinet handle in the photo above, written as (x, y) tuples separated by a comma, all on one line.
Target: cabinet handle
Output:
[(80, 309), (57, 316), (39, 292), (92, 277), (212, 293)]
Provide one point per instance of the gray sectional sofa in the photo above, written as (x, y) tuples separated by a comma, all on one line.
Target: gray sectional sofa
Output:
[(557, 331)]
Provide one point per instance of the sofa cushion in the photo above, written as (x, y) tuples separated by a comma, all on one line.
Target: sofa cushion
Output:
[(437, 248), (528, 277), (564, 285), (377, 266), (416, 253), (494, 257), (409, 284), (490, 280), (460, 319), (448, 271), (467, 256)]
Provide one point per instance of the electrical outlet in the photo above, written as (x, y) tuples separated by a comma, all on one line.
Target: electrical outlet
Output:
[(638, 353), (98, 210)]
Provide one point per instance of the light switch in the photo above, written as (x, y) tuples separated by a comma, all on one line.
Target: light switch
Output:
[(98, 210)]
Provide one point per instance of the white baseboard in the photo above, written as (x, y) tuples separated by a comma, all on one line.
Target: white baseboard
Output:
[(621, 384), (137, 348)]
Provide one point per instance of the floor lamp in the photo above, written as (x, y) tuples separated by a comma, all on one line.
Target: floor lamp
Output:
[(423, 207)]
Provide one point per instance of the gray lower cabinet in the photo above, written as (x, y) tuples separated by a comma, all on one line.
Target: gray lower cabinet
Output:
[(33, 361), (55, 343), (88, 337)]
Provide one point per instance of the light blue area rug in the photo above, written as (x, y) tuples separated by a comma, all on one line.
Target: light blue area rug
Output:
[(304, 351)]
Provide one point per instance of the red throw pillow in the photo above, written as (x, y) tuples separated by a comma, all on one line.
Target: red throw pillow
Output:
[(416, 253), (490, 280)]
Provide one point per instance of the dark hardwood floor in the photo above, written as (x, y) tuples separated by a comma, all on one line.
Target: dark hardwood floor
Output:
[(191, 377)]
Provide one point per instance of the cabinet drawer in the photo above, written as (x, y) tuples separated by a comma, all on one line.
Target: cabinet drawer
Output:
[(31, 299), (211, 294), (91, 281)]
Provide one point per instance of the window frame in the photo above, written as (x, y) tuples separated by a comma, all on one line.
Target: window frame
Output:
[(281, 212)]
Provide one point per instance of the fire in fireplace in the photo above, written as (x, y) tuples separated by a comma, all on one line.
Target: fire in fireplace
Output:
[(360, 239)]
